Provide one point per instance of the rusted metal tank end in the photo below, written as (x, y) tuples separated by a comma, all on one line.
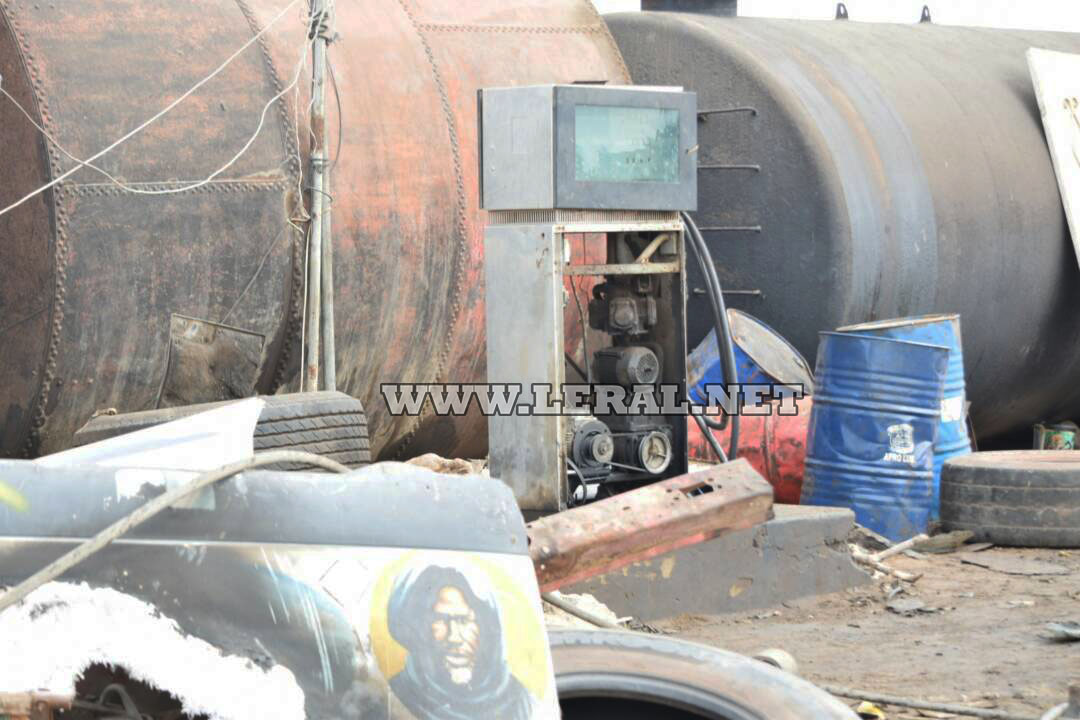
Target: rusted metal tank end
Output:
[(27, 278), (92, 275), (593, 539)]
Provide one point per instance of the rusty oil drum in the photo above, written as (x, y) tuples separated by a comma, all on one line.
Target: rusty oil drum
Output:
[(774, 445), (112, 299)]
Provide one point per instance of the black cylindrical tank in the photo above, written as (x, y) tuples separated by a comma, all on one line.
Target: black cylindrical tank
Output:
[(866, 171)]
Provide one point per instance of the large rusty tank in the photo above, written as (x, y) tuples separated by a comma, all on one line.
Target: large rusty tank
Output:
[(855, 171), (132, 296)]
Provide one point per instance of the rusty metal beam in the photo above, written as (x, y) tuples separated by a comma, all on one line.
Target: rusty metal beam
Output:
[(579, 543), (649, 268)]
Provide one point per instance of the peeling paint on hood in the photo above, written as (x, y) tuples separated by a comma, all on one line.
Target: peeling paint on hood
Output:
[(52, 637)]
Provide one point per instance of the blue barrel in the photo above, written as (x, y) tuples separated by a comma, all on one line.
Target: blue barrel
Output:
[(870, 444), (952, 437), (762, 357)]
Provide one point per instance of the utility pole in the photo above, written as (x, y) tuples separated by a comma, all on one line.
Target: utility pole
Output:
[(320, 287)]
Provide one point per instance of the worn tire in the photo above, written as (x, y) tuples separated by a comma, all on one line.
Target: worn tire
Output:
[(1027, 498), (330, 424), (612, 675)]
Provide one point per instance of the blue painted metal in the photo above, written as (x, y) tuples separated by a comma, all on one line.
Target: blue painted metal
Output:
[(952, 437), (870, 444), (762, 357)]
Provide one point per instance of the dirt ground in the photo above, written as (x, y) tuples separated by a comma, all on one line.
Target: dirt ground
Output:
[(981, 645)]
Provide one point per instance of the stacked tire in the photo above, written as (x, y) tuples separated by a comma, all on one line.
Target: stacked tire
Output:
[(330, 424), (1026, 498)]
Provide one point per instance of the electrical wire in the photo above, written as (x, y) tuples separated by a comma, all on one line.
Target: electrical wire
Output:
[(584, 331), (577, 368), (340, 117), (168, 108), (723, 330), (714, 444), (183, 188), (153, 507)]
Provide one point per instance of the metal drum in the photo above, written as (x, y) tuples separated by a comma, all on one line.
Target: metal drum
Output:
[(774, 445), (870, 447), (952, 437), (762, 356)]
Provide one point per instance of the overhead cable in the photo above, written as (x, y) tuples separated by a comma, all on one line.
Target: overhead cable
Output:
[(254, 38)]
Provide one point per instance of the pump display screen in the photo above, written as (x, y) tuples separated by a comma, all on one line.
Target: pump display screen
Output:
[(626, 144)]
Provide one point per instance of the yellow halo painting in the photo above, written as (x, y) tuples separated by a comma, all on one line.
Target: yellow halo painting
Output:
[(456, 639)]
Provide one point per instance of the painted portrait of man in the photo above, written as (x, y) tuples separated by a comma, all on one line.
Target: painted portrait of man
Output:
[(457, 667)]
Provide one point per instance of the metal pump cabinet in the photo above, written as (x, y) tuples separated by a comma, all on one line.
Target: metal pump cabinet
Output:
[(565, 160)]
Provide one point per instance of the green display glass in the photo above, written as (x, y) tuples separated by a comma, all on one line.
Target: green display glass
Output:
[(626, 144)]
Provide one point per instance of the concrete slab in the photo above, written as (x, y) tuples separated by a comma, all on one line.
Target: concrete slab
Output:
[(801, 552)]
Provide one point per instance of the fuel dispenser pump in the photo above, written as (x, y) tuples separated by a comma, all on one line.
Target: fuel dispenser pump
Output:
[(560, 161)]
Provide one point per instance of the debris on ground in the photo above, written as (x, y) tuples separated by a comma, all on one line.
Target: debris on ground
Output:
[(867, 540), (987, 708), (944, 543), (871, 561), (980, 646), (909, 606), (558, 618), (869, 711), (778, 658), (448, 466), (978, 547), (1067, 631), (1013, 565)]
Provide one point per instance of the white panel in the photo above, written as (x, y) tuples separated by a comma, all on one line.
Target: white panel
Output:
[(1057, 86)]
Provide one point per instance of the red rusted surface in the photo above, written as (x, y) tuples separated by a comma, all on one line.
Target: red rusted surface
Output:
[(408, 230), (603, 536), (774, 445), (89, 278)]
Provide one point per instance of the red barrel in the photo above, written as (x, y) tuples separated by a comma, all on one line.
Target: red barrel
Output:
[(775, 445)]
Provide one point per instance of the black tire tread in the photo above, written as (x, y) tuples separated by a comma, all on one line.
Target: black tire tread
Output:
[(330, 424), (1020, 498), (314, 422), (763, 691), (283, 439)]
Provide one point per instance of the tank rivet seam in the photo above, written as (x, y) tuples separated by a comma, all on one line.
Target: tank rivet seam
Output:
[(290, 141), (460, 225), (60, 253)]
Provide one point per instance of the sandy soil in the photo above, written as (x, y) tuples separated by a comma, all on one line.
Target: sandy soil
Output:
[(983, 645)]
